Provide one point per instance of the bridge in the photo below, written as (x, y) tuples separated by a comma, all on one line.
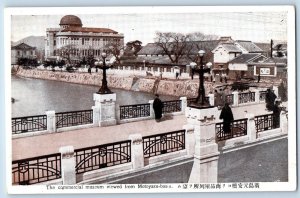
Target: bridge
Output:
[(135, 145)]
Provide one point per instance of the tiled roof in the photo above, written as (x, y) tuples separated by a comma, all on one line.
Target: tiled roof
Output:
[(22, 46), (88, 29), (266, 47), (244, 58), (249, 46), (231, 47)]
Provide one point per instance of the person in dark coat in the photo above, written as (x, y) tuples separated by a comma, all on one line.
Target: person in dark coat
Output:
[(227, 116), (157, 106), (270, 100), (276, 115), (89, 70)]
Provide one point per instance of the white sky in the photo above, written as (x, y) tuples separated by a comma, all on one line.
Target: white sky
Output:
[(255, 26)]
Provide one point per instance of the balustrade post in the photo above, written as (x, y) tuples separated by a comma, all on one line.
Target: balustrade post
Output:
[(257, 96), (152, 116), (137, 151), (275, 88), (189, 139), (96, 115), (68, 172), (51, 121), (235, 98), (118, 113), (283, 122), (211, 99), (183, 104), (206, 156), (251, 128)]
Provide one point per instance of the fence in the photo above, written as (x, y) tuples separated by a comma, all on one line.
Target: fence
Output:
[(93, 158), (237, 128), (266, 122), (134, 111), (191, 100), (246, 97), (163, 143), (36, 170), (74, 118), (29, 124)]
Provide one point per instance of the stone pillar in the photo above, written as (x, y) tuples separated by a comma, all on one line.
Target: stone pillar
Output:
[(68, 172), (183, 104), (107, 105), (151, 109), (251, 128), (235, 98), (158, 69), (96, 115), (275, 88), (165, 69), (118, 113), (189, 139), (51, 121), (137, 151), (124, 68), (205, 167), (284, 122), (211, 99), (140, 68), (256, 96)]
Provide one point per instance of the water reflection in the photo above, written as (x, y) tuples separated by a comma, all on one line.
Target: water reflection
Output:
[(35, 96)]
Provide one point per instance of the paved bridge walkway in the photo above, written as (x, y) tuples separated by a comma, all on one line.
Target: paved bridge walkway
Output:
[(50, 143)]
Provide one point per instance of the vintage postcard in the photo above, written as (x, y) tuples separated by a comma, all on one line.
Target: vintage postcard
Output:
[(150, 99)]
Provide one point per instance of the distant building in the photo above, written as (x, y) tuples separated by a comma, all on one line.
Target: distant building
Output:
[(22, 50), (77, 41)]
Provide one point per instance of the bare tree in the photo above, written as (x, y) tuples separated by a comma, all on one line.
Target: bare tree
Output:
[(178, 45), (115, 49), (174, 45)]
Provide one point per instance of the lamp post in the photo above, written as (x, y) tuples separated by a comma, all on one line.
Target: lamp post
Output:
[(200, 100), (104, 88)]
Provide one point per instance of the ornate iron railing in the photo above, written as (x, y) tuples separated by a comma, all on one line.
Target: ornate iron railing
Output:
[(237, 128), (262, 95), (266, 122), (191, 100), (229, 99), (97, 157), (29, 124), (74, 118), (36, 170), (171, 106), (246, 97), (163, 143), (134, 111)]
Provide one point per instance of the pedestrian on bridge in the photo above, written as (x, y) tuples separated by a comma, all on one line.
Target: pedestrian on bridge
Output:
[(276, 115), (270, 100), (227, 116), (157, 106)]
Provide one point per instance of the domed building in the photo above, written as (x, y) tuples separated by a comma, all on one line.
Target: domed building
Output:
[(78, 41)]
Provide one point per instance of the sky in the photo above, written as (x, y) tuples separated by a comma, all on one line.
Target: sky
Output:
[(254, 26)]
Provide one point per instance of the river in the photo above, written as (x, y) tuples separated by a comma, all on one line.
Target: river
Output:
[(35, 96)]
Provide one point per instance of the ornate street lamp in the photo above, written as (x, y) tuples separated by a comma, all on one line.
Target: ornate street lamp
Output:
[(200, 102), (104, 88)]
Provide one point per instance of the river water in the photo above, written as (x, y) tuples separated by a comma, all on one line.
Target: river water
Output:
[(35, 96)]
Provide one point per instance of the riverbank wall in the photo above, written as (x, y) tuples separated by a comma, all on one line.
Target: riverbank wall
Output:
[(144, 84)]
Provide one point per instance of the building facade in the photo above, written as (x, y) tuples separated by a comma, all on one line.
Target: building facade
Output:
[(74, 42), (22, 50)]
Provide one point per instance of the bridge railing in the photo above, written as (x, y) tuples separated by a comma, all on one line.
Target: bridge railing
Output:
[(36, 170), (246, 97), (266, 122), (237, 128), (171, 106), (73, 118), (29, 124), (134, 111), (107, 155), (163, 143)]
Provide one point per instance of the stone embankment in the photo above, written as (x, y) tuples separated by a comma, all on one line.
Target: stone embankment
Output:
[(150, 85)]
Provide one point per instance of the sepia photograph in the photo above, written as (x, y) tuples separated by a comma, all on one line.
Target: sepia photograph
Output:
[(150, 99)]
